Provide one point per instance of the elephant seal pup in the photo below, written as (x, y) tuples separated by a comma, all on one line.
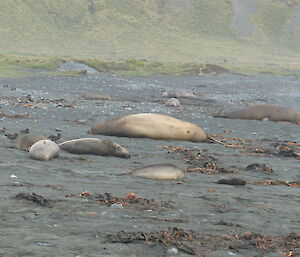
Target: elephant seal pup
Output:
[(150, 125), (43, 150), (95, 146), (173, 102), (177, 93), (26, 141), (160, 171), (260, 112)]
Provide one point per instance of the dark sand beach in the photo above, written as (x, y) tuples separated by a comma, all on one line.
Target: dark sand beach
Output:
[(77, 205)]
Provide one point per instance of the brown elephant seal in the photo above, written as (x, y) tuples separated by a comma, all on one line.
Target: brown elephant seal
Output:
[(150, 125), (26, 141), (96, 96), (271, 112), (177, 93), (95, 146), (173, 102), (160, 171), (43, 150)]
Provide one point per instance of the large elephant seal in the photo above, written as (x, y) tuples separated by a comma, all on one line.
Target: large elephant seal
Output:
[(150, 125), (161, 171), (95, 146), (259, 112), (26, 141), (43, 150)]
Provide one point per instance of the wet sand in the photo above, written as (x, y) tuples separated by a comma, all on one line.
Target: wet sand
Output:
[(76, 225)]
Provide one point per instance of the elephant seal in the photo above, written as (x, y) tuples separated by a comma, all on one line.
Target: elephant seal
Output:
[(173, 102), (96, 96), (271, 112), (26, 141), (43, 150), (177, 93), (160, 171), (150, 125), (95, 146)]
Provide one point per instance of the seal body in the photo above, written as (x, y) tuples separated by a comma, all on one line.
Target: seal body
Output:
[(173, 102), (260, 112), (161, 171), (150, 125), (26, 141), (177, 93), (43, 150), (95, 146)]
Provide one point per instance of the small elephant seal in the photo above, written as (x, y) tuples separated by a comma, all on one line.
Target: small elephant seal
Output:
[(160, 171), (177, 93), (26, 141), (173, 102), (271, 112), (43, 150), (96, 96), (95, 146), (150, 125)]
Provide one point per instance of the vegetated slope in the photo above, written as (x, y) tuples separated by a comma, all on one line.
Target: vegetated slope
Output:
[(159, 30)]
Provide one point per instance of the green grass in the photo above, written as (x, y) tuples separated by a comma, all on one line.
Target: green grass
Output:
[(173, 37)]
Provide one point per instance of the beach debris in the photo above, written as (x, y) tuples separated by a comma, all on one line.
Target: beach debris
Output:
[(259, 167), (14, 116), (195, 243), (232, 181), (198, 161), (172, 237), (33, 197), (130, 201), (276, 183)]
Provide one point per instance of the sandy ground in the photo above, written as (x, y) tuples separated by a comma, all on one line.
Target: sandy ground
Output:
[(76, 225)]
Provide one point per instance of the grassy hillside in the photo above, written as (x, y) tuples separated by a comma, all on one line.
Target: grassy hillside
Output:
[(198, 31)]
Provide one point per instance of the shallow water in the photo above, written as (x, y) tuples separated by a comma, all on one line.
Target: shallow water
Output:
[(74, 226)]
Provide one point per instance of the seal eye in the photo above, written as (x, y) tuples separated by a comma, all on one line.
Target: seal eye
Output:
[(188, 131)]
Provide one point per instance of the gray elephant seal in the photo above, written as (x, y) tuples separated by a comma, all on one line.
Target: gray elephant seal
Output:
[(95, 146), (43, 150), (161, 171), (26, 141), (260, 112), (177, 93), (173, 102), (150, 125)]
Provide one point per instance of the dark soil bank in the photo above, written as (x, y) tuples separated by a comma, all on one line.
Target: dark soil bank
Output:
[(77, 205)]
